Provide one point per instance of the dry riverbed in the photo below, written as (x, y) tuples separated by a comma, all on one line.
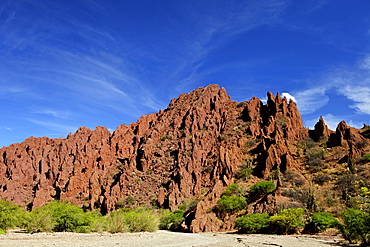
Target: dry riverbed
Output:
[(165, 239)]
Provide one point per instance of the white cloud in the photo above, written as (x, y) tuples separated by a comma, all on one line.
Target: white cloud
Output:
[(312, 99), (213, 29), (12, 89), (360, 95), (6, 128), (53, 113), (332, 122), (365, 63), (352, 82), (57, 127), (288, 96)]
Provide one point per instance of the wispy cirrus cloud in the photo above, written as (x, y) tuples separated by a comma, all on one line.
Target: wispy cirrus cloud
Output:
[(53, 113), (311, 99), (216, 28), (56, 128), (13, 90), (353, 82), (91, 72), (360, 95), (5, 128), (332, 121)]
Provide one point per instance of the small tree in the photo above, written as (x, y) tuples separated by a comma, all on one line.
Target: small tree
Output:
[(136, 220), (231, 203), (288, 221), (232, 190), (260, 188), (366, 157), (356, 226), (322, 220), (171, 220), (252, 223), (11, 215), (60, 217)]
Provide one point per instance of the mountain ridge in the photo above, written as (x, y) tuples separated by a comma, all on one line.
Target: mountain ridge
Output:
[(186, 154)]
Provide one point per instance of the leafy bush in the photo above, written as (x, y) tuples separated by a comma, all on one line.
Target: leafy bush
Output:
[(40, 221), (231, 203), (366, 157), (260, 188), (11, 215), (307, 144), (288, 221), (136, 220), (315, 158), (252, 223), (60, 217), (98, 222), (140, 220), (322, 220), (190, 203), (171, 220), (244, 174), (356, 226), (116, 223), (232, 190), (349, 186)]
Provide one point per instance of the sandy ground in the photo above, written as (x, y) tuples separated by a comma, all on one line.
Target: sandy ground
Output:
[(165, 239)]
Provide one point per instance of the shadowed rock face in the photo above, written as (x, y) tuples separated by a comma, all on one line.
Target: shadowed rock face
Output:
[(187, 153)]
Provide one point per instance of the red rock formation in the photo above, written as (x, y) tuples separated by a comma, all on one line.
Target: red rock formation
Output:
[(348, 138), (320, 130), (187, 153)]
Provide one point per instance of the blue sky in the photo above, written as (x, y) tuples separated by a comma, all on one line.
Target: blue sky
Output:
[(66, 64)]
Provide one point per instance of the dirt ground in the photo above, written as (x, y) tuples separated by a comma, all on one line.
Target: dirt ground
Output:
[(165, 239)]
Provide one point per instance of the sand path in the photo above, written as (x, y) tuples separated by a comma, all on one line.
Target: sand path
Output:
[(164, 239)]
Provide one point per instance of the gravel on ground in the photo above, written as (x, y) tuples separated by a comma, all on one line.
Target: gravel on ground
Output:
[(165, 239)]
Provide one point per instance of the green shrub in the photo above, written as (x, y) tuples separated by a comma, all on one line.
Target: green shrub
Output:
[(40, 221), (288, 221), (244, 174), (323, 220), (315, 159), (260, 188), (252, 223), (60, 217), (231, 203), (307, 144), (136, 220), (366, 157), (11, 215), (171, 220), (98, 222), (232, 190), (356, 226), (115, 222)]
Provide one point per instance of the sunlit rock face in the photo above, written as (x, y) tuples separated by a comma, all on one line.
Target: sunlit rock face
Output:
[(187, 153)]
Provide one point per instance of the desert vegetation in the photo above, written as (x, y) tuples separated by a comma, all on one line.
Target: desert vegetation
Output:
[(342, 204), (252, 166), (65, 217), (59, 216)]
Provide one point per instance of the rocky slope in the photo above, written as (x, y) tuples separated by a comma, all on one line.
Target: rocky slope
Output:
[(187, 154)]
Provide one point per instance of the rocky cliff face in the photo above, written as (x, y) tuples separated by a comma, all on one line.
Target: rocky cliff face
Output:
[(186, 154)]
